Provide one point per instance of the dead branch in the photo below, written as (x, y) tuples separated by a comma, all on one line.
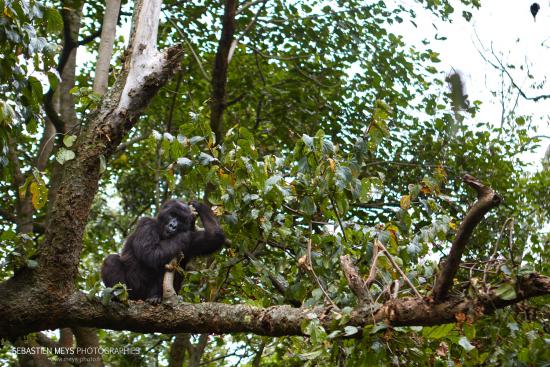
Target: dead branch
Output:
[(397, 268), (486, 200), (355, 281)]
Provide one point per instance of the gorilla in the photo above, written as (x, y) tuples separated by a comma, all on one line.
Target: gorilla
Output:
[(155, 242)]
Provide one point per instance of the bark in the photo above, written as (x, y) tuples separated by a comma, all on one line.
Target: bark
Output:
[(108, 33), (146, 70), (23, 208), (71, 13), (65, 119)]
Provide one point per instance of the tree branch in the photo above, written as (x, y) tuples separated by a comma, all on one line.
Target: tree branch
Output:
[(108, 34), (486, 200), (219, 74), (221, 318)]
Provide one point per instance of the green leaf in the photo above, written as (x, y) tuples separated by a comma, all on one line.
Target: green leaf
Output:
[(311, 355), (54, 21), (23, 188), (405, 202), (308, 206), (520, 121), (414, 190), (106, 296), (36, 89), (343, 177), (64, 155), (506, 292), (68, 140), (184, 162), (308, 141), (205, 159), (7, 113), (378, 327), (196, 139), (437, 332)]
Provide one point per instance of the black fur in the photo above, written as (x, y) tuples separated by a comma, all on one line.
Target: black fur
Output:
[(155, 242)]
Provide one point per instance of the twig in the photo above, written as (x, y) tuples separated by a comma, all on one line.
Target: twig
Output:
[(504, 70), (511, 245), (310, 263), (248, 5), (188, 44), (495, 249), (236, 41), (338, 217), (373, 266), (396, 267), (129, 142)]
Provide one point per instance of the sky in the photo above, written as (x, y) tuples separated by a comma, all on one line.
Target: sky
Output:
[(507, 27)]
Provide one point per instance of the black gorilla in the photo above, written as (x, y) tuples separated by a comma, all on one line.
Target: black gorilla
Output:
[(155, 242)]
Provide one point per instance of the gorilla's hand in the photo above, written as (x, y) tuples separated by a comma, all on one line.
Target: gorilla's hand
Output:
[(194, 205)]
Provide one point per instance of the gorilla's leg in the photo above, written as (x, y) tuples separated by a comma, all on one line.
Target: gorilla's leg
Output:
[(112, 271)]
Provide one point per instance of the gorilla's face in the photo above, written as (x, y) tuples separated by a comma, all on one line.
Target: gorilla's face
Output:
[(175, 217)]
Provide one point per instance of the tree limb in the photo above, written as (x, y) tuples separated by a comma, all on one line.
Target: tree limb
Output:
[(221, 318), (486, 200), (219, 74), (108, 34)]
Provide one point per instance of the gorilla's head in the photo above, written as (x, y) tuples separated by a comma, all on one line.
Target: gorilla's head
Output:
[(175, 217)]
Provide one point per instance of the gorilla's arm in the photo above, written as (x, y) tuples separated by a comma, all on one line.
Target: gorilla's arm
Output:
[(208, 241), (150, 249)]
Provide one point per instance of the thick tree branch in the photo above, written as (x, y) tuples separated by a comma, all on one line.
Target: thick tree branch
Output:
[(220, 318), (486, 200), (108, 33), (219, 75)]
